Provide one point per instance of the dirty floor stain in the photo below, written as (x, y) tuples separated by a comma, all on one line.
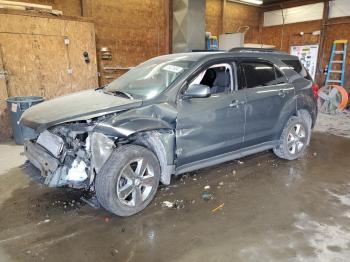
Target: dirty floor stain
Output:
[(260, 208)]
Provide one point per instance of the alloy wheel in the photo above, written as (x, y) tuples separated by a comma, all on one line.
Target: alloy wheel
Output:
[(296, 139), (135, 182)]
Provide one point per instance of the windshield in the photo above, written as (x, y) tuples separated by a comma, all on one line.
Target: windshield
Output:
[(150, 78)]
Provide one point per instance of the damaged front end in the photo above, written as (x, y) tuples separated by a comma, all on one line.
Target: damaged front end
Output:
[(70, 154)]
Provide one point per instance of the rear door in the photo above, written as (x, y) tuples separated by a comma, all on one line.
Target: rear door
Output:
[(267, 91)]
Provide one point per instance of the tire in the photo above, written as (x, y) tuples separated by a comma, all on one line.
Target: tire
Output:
[(294, 139), (128, 181)]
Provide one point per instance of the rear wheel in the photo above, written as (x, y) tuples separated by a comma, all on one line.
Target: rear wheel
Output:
[(128, 181), (294, 139)]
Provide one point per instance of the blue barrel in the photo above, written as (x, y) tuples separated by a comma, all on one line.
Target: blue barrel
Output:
[(16, 106)]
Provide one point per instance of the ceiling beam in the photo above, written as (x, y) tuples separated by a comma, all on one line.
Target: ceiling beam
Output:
[(288, 4)]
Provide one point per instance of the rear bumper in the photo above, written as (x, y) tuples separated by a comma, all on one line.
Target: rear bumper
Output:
[(42, 160)]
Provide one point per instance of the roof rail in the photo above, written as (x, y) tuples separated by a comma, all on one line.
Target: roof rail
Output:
[(254, 49), (203, 50)]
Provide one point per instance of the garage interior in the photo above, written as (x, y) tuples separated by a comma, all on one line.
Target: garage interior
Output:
[(260, 208)]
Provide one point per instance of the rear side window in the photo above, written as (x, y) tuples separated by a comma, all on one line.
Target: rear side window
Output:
[(297, 67), (258, 74)]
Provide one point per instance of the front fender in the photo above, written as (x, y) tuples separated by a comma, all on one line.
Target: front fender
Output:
[(126, 128), (152, 117)]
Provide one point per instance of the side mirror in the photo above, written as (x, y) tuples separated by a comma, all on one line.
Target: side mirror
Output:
[(197, 91)]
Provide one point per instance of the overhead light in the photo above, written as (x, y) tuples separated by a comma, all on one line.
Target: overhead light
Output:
[(252, 2)]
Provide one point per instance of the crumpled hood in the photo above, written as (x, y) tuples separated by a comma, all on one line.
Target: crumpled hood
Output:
[(74, 107)]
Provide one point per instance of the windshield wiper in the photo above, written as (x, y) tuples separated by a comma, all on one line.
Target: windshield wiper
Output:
[(123, 93)]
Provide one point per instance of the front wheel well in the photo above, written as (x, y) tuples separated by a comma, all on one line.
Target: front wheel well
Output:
[(161, 143)]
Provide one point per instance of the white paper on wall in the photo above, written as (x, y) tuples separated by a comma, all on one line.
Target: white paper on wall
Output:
[(308, 57)]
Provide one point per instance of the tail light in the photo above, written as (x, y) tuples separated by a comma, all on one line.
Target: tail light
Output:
[(315, 90)]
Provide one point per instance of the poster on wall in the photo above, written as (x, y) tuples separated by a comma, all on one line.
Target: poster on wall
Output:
[(308, 57)]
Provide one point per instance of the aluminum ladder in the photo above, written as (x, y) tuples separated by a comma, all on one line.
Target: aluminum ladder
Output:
[(341, 62)]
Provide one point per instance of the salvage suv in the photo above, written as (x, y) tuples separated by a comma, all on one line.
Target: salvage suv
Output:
[(170, 115)]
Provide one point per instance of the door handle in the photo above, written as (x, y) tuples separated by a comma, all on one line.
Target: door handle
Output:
[(282, 93), (236, 103)]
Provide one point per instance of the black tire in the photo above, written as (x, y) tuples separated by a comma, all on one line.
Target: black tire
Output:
[(284, 149), (114, 180)]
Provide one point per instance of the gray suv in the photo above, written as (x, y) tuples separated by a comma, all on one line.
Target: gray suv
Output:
[(170, 115)]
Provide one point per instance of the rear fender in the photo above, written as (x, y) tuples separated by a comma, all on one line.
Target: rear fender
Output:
[(308, 103), (288, 110)]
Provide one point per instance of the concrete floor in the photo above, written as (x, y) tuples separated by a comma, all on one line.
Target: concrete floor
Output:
[(273, 210)]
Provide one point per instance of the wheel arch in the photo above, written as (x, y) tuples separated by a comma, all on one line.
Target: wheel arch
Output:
[(162, 143), (307, 103), (289, 109)]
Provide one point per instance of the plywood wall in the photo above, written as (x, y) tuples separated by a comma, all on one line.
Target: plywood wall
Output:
[(134, 30), (282, 37), (68, 7), (338, 28), (235, 15), (43, 56)]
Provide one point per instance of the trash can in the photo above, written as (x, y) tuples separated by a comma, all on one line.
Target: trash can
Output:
[(16, 106)]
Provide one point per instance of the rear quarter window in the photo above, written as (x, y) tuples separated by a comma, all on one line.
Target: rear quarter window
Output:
[(298, 67)]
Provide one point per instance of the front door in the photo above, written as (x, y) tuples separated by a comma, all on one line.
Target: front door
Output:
[(212, 126)]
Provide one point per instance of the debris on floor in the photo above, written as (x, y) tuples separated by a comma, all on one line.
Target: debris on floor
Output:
[(44, 222), (93, 202), (218, 207), (207, 187), (177, 204), (207, 196)]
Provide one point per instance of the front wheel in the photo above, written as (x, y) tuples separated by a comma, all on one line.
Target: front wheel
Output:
[(128, 181), (294, 139)]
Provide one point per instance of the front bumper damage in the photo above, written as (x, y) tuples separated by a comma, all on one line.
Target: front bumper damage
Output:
[(56, 173), (62, 165), (40, 158)]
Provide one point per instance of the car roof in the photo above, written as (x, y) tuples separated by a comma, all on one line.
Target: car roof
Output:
[(267, 54)]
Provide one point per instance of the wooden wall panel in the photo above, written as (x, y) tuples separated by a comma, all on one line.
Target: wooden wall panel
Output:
[(68, 7), (337, 28), (213, 17), (236, 15), (272, 35), (44, 55), (134, 30), (5, 129)]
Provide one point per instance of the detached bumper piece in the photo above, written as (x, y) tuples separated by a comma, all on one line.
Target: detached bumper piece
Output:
[(40, 158), (56, 173)]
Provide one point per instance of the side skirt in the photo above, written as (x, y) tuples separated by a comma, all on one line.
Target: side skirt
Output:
[(224, 157)]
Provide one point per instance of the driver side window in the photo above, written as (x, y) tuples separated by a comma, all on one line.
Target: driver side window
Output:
[(218, 77)]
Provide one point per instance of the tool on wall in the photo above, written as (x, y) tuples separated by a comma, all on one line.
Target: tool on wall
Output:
[(86, 57), (106, 53), (340, 69)]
